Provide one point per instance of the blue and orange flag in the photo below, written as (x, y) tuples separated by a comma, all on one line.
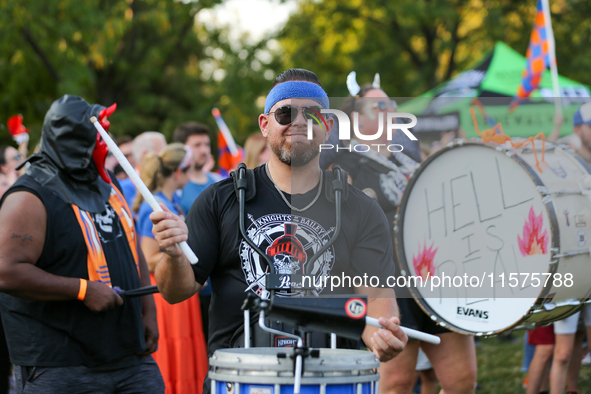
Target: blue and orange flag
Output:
[(229, 154), (538, 59)]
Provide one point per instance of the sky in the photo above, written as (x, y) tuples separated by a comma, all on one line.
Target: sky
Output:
[(255, 17)]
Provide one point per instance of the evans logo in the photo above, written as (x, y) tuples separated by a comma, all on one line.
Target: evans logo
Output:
[(472, 313)]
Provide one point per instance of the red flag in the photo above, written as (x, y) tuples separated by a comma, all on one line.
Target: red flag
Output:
[(229, 154)]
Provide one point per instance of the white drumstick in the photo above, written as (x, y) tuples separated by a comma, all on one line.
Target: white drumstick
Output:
[(422, 336), (137, 182)]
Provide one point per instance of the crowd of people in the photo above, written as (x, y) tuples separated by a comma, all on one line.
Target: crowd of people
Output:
[(69, 327)]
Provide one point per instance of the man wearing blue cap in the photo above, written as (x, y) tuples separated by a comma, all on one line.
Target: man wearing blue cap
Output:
[(290, 204), (582, 128)]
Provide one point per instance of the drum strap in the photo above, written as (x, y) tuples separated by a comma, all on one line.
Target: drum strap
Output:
[(329, 184)]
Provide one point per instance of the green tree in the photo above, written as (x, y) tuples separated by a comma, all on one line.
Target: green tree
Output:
[(416, 45), (145, 55)]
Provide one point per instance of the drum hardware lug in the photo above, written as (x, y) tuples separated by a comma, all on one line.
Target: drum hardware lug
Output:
[(553, 262), (585, 182), (459, 141), (395, 229), (238, 360), (397, 216), (565, 193), (554, 250), (543, 190), (403, 272)]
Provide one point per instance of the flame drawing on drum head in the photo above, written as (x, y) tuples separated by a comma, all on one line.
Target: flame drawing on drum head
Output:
[(534, 241), (423, 263)]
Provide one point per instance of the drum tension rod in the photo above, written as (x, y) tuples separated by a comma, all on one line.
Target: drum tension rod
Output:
[(571, 254), (561, 193)]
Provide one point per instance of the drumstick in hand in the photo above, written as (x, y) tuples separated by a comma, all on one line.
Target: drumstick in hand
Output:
[(138, 182), (422, 336)]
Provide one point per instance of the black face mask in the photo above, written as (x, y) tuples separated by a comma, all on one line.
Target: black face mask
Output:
[(64, 162)]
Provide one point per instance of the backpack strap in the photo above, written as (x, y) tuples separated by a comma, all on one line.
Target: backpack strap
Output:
[(336, 179), (248, 183)]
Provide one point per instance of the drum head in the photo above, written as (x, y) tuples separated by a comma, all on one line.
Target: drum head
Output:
[(474, 228)]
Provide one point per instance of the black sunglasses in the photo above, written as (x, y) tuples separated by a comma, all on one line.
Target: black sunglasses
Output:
[(383, 105), (286, 115)]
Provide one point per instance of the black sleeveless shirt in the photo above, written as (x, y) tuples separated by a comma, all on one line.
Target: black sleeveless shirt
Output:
[(67, 333)]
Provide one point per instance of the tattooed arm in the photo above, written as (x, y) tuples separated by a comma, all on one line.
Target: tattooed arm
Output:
[(22, 237)]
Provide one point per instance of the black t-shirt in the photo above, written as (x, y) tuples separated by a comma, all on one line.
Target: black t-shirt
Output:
[(67, 333), (362, 247)]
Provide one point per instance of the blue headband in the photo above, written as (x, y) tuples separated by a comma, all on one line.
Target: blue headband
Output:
[(296, 89)]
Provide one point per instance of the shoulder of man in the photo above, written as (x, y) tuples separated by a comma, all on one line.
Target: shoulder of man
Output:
[(222, 190), (24, 183), (215, 177), (361, 205), (115, 181)]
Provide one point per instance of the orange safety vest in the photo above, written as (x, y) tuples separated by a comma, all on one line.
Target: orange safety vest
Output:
[(98, 270)]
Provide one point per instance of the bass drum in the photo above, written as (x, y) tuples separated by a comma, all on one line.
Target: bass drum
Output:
[(490, 243)]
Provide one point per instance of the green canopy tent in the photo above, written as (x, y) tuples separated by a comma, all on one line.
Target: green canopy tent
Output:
[(494, 81)]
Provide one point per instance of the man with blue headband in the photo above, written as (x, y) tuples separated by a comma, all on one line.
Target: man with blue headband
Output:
[(289, 218)]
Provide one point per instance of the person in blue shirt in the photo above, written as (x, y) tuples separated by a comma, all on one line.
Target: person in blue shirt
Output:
[(181, 334), (196, 136)]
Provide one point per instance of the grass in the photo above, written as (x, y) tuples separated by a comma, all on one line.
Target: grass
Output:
[(499, 367)]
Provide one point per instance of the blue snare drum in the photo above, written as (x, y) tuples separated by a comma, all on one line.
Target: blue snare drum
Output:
[(268, 371)]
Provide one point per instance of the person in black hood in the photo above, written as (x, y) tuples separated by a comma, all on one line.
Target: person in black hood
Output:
[(67, 245)]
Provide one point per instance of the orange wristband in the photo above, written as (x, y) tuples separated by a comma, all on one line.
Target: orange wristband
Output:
[(82, 292)]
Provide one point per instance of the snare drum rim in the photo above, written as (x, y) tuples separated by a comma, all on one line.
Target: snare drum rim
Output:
[(399, 230)]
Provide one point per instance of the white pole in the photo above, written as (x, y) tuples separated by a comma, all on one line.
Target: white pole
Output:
[(422, 336), (225, 131), (552, 56), (138, 182), (247, 328)]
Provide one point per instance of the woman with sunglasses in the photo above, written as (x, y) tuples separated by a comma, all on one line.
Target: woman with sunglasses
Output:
[(382, 174), (181, 355)]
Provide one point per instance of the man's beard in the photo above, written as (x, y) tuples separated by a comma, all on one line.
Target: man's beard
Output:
[(295, 155), (199, 166)]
